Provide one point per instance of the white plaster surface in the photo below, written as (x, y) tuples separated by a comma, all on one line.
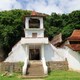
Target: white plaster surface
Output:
[(34, 41), (17, 54), (40, 32), (73, 59), (59, 54), (51, 54)]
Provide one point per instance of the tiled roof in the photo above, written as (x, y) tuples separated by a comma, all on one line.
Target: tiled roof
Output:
[(75, 47), (75, 35), (36, 14), (57, 39), (33, 13)]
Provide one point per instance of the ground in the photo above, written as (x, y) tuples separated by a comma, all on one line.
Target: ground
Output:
[(63, 75), (54, 75)]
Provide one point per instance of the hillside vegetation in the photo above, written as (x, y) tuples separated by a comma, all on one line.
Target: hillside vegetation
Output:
[(12, 26)]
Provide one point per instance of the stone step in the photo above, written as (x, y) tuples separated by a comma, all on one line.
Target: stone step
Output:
[(34, 77), (35, 69), (35, 62)]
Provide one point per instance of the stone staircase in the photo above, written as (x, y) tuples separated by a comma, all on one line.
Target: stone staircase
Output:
[(35, 69)]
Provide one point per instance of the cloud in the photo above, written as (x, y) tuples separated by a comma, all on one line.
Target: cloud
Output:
[(44, 6), (9, 4), (68, 6), (74, 5), (49, 6)]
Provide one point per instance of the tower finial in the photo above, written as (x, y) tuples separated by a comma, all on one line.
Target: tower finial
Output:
[(34, 13)]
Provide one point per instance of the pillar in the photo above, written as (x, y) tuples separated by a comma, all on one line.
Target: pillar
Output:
[(43, 60), (42, 51), (41, 23), (24, 70), (27, 51), (27, 23)]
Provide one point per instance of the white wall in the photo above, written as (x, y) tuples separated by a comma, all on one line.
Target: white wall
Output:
[(73, 59), (50, 54), (40, 32), (17, 54)]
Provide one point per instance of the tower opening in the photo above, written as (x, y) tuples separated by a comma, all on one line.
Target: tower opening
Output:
[(34, 23)]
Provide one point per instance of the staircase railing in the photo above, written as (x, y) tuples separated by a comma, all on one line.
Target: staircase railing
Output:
[(44, 66), (56, 50), (24, 70)]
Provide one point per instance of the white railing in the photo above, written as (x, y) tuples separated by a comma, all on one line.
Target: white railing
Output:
[(10, 53), (24, 69), (57, 51), (44, 66)]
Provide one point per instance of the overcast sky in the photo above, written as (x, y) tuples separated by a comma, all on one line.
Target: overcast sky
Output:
[(44, 6)]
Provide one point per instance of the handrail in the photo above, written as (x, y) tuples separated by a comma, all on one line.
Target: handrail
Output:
[(44, 66), (24, 69), (56, 50), (10, 53)]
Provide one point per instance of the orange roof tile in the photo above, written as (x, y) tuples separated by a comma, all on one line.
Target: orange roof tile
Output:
[(33, 13), (75, 35), (75, 47), (36, 14)]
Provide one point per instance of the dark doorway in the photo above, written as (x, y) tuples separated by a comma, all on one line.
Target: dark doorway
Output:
[(34, 35), (34, 54)]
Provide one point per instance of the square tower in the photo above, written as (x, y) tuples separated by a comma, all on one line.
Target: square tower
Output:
[(34, 26), (34, 30)]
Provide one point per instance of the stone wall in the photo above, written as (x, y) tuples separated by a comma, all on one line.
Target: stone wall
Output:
[(57, 65), (11, 67), (17, 67)]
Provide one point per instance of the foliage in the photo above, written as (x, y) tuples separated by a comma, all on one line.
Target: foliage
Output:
[(53, 25), (65, 23), (67, 30), (21, 64), (11, 28)]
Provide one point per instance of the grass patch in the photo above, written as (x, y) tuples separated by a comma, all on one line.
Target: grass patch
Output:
[(13, 77), (63, 75), (54, 75)]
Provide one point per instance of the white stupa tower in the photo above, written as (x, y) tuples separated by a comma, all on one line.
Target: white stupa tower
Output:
[(34, 39)]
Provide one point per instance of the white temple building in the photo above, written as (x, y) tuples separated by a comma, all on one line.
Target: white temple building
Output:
[(35, 47)]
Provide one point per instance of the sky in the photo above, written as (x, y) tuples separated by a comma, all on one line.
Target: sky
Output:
[(43, 6)]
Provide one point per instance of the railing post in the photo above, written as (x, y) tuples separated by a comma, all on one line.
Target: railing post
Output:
[(43, 60), (26, 61), (25, 66)]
